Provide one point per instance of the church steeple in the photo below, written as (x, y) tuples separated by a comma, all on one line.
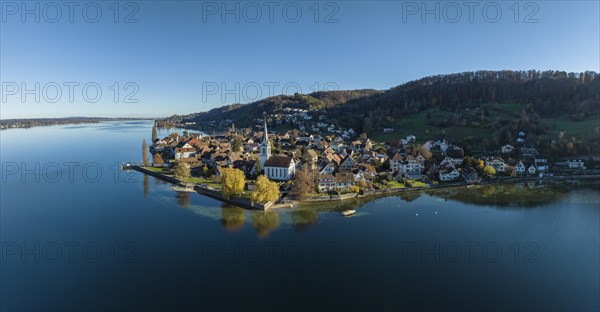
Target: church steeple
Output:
[(265, 147), (266, 134)]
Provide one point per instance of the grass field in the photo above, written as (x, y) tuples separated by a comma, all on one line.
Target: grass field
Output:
[(395, 184), (157, 169), (418, 125), (577, 129)]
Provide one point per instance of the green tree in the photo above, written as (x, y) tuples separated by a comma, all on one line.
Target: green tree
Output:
[(265, 191), (258, 165), (232, 182), (237, 144), (182, 170), (144, 152)]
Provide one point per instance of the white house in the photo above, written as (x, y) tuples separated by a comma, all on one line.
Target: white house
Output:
[(185, 151), (326, 182), (531, 169), (520, 168), (395, 162), (497, 163), (347, 164), (328, 169), (575, 164), (507, 149), (344, 181), (541, 164), (449, 175), (280, 168)]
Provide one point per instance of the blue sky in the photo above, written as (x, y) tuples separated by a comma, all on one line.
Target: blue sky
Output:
[(179, 56)]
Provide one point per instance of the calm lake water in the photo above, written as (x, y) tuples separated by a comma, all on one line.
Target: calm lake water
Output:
[(79, 235)]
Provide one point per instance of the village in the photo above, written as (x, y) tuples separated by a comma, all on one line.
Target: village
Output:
[(324, 160)]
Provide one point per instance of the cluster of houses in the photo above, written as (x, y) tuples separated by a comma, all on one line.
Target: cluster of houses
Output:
[(338, 161)]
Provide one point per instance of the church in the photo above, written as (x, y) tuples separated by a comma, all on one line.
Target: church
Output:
[(279, 168)]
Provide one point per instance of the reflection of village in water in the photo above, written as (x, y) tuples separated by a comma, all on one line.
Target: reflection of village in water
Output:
[(301, 217)]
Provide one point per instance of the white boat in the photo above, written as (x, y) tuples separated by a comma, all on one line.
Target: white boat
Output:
[(178, 188), (350, 212)]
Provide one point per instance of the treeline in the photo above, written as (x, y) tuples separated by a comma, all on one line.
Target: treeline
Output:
[(550, 93), (243, 114)]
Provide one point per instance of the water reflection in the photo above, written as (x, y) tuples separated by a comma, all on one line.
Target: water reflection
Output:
[(183, 199), (506, 195), (303, 217), (146, 185), (264, 222), (232, 218)]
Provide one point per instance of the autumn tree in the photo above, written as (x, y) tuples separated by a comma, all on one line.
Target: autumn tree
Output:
[(425, 152), (265, 191), (144, 152), (303, 183), (232, 182), (182, 170), (489, 170), (363, 183), (157, 159)]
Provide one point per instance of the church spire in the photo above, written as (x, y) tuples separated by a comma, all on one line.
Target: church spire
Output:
[(265, 147), (266, 138)]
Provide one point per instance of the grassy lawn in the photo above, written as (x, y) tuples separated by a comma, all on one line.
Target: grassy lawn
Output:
[(577, 129), (157, 169), (395, 184), (201, 181), (417, 183), (418, 126)]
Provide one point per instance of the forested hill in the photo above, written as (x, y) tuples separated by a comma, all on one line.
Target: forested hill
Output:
[(243, 115), (469, 106), (547, 93)]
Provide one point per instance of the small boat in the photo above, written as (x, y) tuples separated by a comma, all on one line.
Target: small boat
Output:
[(178, 188), (350, 212)]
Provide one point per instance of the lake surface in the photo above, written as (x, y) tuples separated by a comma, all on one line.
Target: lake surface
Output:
[(79, 235)]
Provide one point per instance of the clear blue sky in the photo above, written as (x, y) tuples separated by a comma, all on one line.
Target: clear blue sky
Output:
[(177, 51)]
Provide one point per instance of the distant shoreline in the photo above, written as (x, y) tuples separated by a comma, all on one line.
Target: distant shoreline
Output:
[(24, 123)]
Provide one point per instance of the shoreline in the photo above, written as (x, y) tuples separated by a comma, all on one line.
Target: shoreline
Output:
[(214, 194), (291, 203)]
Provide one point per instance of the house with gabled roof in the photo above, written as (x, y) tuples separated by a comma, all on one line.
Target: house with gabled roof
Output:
[(347, 164)]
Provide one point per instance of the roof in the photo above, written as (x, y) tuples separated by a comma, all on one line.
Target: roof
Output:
[(344, 177), (312, 153), (278, 161)]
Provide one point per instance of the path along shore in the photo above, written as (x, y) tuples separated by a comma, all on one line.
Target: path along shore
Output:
[(285, 202)]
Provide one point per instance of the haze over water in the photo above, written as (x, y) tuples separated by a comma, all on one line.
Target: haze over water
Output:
[(97, 238)]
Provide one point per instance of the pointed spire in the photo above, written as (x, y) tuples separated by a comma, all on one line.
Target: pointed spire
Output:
[(266, 138)]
